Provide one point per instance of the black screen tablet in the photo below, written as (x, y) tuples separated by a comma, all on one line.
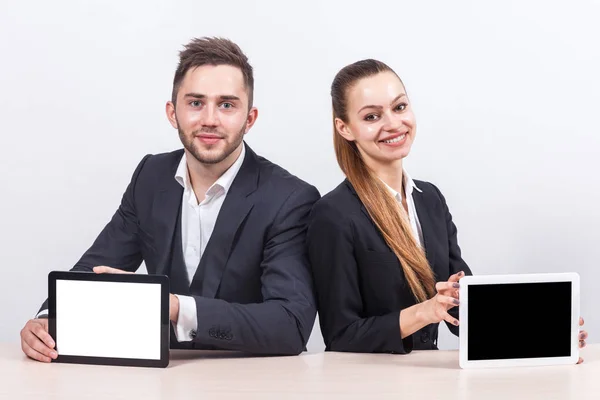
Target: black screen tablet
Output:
[(518, 320)]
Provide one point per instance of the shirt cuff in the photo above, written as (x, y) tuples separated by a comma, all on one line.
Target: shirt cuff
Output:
[(187, 319), (42, 314)]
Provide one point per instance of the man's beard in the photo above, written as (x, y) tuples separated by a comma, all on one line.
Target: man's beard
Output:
[(209, 157)]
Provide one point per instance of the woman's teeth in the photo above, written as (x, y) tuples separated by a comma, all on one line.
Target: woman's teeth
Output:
[(396, 140)]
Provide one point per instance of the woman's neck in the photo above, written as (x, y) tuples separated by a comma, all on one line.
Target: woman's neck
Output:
[(390, 173)]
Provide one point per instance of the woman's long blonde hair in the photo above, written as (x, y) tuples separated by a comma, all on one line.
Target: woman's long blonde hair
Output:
[(380, 204)]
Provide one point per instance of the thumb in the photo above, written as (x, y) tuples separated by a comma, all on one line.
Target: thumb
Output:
[(456, 277), (44, 323), (103, 269)]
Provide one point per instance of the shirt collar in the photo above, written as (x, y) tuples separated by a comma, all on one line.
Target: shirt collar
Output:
[(224, 182), (409, 186)]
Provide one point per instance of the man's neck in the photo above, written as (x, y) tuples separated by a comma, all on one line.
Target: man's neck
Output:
[(203, 176)]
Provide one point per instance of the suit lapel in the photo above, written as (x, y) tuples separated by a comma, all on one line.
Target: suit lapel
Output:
[(362, 207), (426, 225), (424, 218), (165, 211), (233, 213)]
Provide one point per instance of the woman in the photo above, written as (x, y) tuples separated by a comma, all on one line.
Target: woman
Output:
[(383, 248)]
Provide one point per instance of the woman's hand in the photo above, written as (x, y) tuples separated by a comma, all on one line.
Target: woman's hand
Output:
[(582, 336), (436, 309)]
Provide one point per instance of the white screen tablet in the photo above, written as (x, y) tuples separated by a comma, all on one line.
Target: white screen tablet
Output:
[(114, 319), (519, 320)]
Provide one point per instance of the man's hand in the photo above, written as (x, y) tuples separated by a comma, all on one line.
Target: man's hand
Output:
[(36, 343), (173, 300), (102, 269), (173, 308)]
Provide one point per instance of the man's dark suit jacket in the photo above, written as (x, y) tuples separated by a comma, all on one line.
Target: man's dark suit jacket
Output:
[(361, 288), (253, 288)]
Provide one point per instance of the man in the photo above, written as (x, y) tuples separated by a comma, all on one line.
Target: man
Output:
[(227, 226)]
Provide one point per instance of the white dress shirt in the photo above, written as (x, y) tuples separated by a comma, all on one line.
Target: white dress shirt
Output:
[(415, 224), (197, 224)]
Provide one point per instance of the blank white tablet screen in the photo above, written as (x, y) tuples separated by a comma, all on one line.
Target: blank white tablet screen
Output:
[(108, 319)]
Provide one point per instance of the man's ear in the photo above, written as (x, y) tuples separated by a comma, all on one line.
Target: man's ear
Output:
[(170, 109), (251, 118)]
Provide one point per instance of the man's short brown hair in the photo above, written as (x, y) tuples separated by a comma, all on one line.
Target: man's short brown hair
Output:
[(213, 51)]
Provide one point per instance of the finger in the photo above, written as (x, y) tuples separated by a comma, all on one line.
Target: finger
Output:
[(583, 335), (456, 277), (447, 286), (582, 344), (580, 360), (41, 331), (447, 300), (102, 269), (581, 322), (31, 353), (449, 318), (36, 344)]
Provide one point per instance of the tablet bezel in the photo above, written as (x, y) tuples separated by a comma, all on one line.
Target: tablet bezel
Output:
[(163, 280), (518, 278)]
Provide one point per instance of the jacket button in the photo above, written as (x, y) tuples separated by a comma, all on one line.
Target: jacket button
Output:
[(424, 337), (193, 333)]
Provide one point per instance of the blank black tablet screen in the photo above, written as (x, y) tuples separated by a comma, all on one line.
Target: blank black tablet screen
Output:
[(519, 320)]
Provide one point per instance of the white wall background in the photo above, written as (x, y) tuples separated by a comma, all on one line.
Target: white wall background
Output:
[(506, 95)]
